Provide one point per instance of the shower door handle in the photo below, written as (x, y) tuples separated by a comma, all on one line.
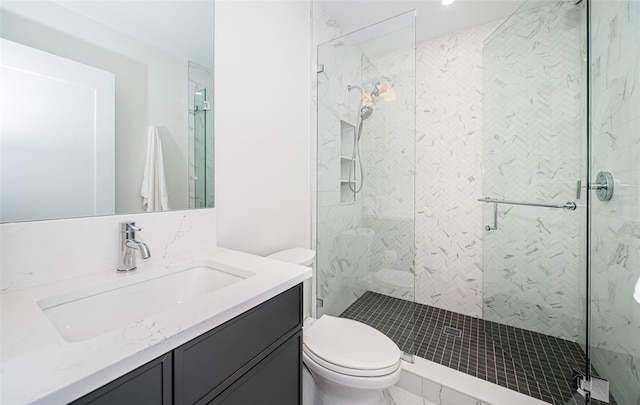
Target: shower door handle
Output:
[(603, 186), (495, 219)]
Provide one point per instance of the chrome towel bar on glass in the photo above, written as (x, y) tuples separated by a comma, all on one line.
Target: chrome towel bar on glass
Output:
[(569, 205)]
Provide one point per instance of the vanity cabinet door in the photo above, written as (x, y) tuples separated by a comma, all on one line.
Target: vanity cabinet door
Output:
[(254, 358), (150, 384), (212, 362), (276, 380)]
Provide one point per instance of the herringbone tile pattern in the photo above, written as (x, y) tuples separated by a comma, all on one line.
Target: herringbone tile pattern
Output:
[(616, 223), (533, 138), (449, 171)]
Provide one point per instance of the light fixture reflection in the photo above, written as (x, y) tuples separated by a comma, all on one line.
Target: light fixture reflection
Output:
[(447, 2)]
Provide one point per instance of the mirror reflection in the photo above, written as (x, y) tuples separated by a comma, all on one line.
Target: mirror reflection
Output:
[(107, 107)]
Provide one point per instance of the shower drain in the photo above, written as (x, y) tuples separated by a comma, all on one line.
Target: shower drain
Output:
[(448, 330)]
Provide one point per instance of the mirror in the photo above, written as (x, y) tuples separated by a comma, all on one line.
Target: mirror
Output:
[(106, 107)]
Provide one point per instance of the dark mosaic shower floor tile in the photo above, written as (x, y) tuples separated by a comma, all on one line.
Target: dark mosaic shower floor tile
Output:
[(534, 364)]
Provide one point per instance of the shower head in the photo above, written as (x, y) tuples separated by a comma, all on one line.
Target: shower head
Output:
[(365, 112)]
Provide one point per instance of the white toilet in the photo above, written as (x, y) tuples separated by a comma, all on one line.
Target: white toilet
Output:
[(349, 362)]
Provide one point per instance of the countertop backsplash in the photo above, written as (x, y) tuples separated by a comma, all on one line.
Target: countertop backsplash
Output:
[(40, 252)]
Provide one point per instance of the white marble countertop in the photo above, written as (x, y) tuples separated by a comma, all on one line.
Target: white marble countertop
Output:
[(39, 366)]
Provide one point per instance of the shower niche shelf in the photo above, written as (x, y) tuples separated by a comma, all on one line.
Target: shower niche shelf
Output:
[(347, 136), (346, 195)]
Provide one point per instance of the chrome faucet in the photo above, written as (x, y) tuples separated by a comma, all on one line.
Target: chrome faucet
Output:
[(128, 246)]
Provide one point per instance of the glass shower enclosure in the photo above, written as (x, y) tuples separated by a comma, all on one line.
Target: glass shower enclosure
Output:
[(560, 317), (561, 251), (202, 185), (365, 180)]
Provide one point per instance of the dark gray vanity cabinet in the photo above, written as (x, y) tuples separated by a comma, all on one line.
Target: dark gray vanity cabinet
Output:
[(271, 381), (254, 358), (149, 384)]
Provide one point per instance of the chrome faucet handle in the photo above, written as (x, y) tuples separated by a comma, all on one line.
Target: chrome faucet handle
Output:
[(126, 225), (129, 228)]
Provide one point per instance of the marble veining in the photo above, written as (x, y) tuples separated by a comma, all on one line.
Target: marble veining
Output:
[(532, 152), (388, 156), (441, 385), (342, 243), (40, 367), (615, 251), (538, 253), (61, 256), (356, 241), (449, 171)]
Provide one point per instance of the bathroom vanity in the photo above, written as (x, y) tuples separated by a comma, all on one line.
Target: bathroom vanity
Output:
[(233, 343), (252, 358)]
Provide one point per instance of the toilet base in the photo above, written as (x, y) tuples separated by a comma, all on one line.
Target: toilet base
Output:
[(308, 387)]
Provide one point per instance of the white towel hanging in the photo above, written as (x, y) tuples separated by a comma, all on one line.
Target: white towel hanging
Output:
[(155, 196)]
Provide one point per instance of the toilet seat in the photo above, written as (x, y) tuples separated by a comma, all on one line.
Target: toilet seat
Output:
[(353, 382), (349, 371), (351, 348)]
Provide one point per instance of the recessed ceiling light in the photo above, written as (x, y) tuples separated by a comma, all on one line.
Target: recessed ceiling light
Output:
[(447, 2)]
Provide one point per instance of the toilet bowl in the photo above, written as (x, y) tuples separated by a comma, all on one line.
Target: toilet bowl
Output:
[(346, 362), (350, 362)]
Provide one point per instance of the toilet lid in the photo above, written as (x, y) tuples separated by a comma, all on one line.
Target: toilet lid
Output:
[(299, 256), (350, 345)]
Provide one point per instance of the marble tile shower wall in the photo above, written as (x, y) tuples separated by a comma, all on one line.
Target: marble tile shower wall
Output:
[(615, 248), (199, 78), (343, 245), (449, 169), (448, 219), (532, 153), (388, 156)]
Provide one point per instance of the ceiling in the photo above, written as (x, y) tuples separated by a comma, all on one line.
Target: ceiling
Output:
[(184, 27), (432, 18)]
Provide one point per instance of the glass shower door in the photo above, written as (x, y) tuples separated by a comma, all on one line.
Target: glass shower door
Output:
[(614, 327), (534, 148), (203, 166), (365, 187), (561, 286)]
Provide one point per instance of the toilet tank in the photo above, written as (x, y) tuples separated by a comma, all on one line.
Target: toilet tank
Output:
[(301, 257)]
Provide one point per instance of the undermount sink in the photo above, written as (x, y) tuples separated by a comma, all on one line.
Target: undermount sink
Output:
[(87, 313)]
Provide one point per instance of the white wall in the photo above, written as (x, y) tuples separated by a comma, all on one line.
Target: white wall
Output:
[(262, 103)]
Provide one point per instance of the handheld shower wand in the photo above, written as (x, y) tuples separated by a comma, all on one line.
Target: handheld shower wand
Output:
[(381, 89), (355, 164)]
